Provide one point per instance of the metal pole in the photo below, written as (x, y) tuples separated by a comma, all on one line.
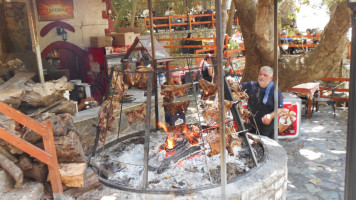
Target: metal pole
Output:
[(275, 136), (350, 173), (154, 61), (147, 131), (36, 44), (188, 21), (220, 83)]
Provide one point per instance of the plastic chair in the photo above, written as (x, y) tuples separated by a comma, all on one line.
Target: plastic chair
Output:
[(320, 96)]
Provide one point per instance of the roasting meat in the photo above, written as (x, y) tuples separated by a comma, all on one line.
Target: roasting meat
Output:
[(106, 119), (129, 78), (232, 139), (137, 114), (208, 88), (240, 96), (117, 84), (141, 77), (175, 108), (211, 113), (234, 86), (171, 91), (244, 113)]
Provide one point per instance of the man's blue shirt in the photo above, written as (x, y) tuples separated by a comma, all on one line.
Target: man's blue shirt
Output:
[(248, 87)]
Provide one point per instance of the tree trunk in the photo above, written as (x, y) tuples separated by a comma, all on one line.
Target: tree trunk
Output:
[(133, 13), (231, 19), (256, 21), (224, 6)]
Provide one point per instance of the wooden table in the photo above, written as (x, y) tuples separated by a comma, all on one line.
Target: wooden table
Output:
[(308, 90)]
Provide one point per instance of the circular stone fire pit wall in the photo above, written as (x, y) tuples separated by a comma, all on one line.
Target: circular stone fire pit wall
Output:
[(268, 181)]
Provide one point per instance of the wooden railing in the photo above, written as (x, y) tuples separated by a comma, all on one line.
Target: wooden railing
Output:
[(210, 40), (193, 20), (302, 37), (47, 156)]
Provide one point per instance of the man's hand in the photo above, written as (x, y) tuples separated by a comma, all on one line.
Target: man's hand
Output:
[(267, 119)]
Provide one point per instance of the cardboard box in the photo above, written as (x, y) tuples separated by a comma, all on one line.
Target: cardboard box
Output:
[(123, 39), (175, 120), (104, 41), (129, 29)]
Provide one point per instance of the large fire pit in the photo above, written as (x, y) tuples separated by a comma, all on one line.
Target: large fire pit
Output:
[(122, 163)]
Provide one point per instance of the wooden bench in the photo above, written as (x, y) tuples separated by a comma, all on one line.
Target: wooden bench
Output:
[(343, 90)]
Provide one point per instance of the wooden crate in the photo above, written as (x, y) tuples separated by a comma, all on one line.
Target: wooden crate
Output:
[(104, 41)]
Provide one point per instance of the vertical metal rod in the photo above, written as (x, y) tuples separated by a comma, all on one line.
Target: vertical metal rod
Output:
[(275, 136), (147, 131), (220, 83), (188, 21), (153, 45), (350, 173), (36, 44)]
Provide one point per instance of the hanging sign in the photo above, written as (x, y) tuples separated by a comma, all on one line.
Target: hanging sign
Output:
[(50, 10)]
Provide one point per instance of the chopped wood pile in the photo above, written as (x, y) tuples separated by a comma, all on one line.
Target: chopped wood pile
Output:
[(42, 102)]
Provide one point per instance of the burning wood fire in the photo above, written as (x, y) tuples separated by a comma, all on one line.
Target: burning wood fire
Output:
[(178, 137)]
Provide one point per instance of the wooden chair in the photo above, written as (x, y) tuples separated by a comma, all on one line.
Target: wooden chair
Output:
[(322, 96)]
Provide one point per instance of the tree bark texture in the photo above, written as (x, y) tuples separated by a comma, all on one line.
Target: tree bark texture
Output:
[(256, 21), (230, 22)]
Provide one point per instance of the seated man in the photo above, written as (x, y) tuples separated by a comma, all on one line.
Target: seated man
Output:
[(261, 101)]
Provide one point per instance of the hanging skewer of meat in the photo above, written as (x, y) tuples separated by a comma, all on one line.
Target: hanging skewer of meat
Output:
[(208, 88), (137, 114), (171, 91)]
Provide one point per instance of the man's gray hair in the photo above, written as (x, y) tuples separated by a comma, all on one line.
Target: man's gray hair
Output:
[(267, 68)]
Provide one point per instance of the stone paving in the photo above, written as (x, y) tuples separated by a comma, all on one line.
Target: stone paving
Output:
[(316, 159)]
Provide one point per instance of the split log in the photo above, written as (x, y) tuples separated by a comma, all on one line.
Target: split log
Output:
[(72, 174), (12, 127), (39, 171), (25, 162), (42, 110), (69, 149), (12, 91), (8, 154), (91, 182), (9, 125), (9, 69), (12, 169), (61, 124), (45, 94)]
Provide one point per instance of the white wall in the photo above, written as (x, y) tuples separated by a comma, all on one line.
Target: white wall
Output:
[(87, 22)]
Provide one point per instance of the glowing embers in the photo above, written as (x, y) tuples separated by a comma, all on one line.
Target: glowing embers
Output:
[(179, 137)]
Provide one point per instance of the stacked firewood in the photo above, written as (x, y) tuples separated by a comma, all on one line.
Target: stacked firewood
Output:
[(42, 102)]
